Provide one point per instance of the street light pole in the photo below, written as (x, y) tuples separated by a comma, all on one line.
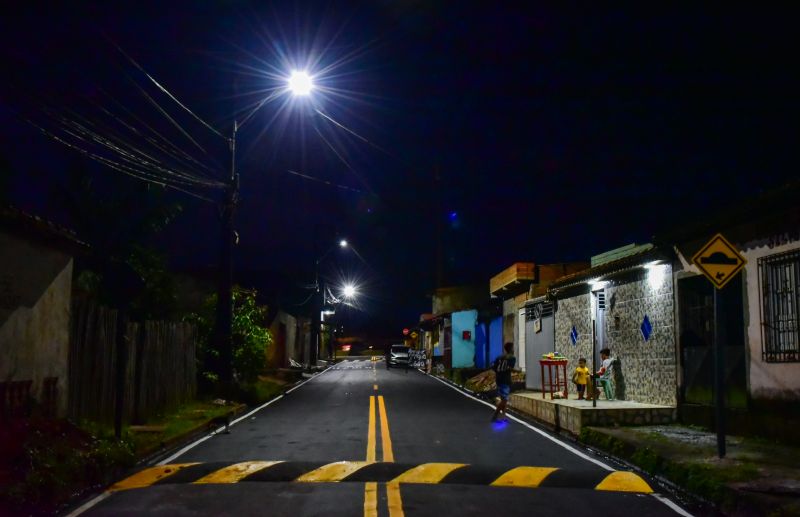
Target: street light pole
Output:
[(300, 83), (224, 323)]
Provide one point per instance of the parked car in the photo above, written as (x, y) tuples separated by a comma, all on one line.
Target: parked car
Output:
[(398, 356)]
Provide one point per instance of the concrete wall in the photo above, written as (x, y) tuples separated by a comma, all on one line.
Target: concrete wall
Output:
[(35, 291), (648, 368), (464, 349), (766, 380)]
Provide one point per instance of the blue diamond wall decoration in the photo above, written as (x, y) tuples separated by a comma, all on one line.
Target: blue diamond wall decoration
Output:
[(646, 328), (573, 335)]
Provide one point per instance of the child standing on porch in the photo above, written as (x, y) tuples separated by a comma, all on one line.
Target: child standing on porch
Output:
[(581, 377)]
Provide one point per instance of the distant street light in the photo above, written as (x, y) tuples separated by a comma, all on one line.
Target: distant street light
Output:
[(320, 304), (300, 83)]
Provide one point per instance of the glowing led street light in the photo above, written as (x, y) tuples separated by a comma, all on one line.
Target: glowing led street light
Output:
[(300, 83), (343, 243), (349, 291)]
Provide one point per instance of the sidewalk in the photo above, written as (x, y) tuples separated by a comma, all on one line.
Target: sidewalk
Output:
[(755, 478)]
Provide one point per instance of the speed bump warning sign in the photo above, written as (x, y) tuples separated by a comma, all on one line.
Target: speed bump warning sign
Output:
[(719, 261)]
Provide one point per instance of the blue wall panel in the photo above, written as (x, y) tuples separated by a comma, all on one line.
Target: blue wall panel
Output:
[(464, 349), (495, 339), (480, 346)]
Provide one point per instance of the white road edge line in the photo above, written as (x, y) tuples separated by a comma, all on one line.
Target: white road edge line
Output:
[(532, 428), (92, 502), (677, 509), (671, 504), (87, 505)]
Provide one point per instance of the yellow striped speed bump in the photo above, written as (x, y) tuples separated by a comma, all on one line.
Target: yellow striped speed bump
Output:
[(385, 472)]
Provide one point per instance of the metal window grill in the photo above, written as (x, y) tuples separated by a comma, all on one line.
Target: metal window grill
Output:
[(539, 310), (780, 319), (601, 300)]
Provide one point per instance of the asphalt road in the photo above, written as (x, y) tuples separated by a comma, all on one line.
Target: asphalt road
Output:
[(358, 411)]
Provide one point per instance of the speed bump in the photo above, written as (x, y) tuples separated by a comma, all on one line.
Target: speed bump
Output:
[(385, 472)]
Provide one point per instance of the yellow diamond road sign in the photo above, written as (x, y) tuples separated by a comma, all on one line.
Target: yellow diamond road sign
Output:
[(719, 260)]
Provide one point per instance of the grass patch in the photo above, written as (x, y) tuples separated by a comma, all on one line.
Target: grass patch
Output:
[(709, 481), (186, 418), (260, 391)]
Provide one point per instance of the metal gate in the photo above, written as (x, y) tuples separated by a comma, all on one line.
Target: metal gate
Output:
[(540, 338)]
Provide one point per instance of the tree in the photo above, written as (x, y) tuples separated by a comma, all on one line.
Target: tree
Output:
[(250, 335)]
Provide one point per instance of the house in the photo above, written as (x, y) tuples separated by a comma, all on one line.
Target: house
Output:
[(761, 315), (516, 286), (623, 302), (451, 326), (36, 264)]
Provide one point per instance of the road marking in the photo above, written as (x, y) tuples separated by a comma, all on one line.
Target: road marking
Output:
[(386, 439), (674, 507), (371, 489), (332, 472), (566, 446), (428, 473), (371, 430), (149, 476), (235, 472), (89, 504), (529, 477), (375, 387), (624, 482), (371, 500), (394, 500)]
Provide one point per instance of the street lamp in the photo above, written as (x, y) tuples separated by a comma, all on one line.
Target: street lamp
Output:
[(300, 83), (349, 291)]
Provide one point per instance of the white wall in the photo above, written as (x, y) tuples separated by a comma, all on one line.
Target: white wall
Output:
[(767, 380)]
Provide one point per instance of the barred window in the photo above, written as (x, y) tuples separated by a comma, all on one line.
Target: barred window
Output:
[(780, 291)]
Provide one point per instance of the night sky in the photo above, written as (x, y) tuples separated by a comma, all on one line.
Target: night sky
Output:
[(516, 133)]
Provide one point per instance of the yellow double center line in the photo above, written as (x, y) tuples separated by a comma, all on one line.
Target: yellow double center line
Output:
[(395, 502)]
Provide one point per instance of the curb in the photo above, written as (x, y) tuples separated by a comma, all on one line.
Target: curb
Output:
[(163, 448)]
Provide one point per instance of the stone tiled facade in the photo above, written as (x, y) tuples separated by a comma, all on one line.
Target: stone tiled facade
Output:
[(575, 311), (647, 370)]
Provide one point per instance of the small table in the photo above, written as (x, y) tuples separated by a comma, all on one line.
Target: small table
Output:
[(551, 384)]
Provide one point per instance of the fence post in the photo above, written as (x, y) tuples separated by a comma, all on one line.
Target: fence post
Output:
[(122, 356)]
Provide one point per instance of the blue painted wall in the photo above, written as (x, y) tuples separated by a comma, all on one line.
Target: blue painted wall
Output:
[(464, 349), (480, 346), (495, 339)]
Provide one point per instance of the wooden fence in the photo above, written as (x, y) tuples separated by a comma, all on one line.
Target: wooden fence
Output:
[(160, 371)]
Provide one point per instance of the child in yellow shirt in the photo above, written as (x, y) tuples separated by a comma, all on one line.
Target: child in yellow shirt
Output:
[(581, 377)]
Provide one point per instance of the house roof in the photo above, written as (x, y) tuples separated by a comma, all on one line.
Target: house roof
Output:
[(773, 212), (641, 255), (33, 227)]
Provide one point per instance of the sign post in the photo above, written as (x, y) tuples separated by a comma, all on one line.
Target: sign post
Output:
[(720, 262)]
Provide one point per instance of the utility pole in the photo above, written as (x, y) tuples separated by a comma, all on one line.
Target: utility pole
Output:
[(316, 308), (224, 323)]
